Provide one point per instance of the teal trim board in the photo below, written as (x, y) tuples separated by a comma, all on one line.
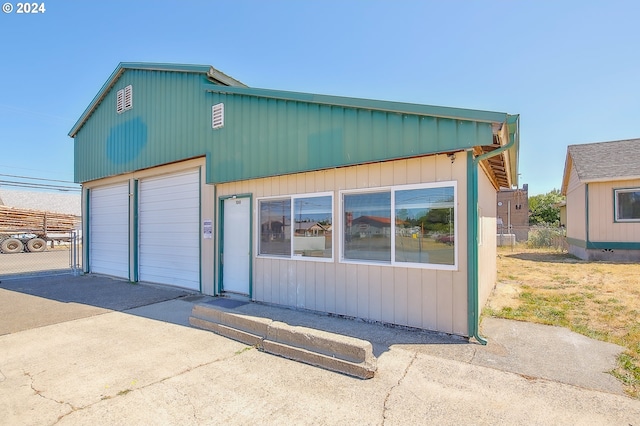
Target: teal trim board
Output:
[(86, 237), (135, 226), (613, 245)]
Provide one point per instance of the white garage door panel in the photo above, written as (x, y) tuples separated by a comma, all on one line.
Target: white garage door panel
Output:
[(169, 229), (109, 230)]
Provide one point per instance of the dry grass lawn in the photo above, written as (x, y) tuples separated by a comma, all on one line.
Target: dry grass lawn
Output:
[(598, 299)]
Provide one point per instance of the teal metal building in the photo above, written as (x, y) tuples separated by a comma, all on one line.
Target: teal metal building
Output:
[(371, 209)]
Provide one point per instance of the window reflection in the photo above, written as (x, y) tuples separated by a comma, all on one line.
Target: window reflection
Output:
[(312, 227), (367, 231), (425, 226), (275, 227)]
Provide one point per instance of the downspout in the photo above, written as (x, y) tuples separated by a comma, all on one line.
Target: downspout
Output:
[(472, 234)]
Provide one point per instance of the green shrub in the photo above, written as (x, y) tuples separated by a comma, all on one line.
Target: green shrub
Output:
[(547, 237)]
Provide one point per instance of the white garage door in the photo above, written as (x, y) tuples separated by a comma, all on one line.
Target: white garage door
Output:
[(109, 230), (169, 230)]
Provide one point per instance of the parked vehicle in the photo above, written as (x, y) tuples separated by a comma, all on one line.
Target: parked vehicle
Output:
[(30, 230), (446, 239)]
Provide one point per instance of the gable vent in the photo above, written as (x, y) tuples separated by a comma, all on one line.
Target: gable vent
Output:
[(217, 116), (128, 97), (120, 101), (124, 99)]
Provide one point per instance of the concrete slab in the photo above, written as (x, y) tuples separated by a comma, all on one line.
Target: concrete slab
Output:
[(123, 369), (531, 350), (119, 368), (553, 353), (19, 311), (93, 290)]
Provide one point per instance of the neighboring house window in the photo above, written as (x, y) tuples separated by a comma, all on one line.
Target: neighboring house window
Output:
[(124, 99), (627, 204), (411, 225), (297, 227)]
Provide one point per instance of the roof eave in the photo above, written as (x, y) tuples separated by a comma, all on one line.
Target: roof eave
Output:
[(361, 103), (568, 163), (610, 179), (513, 129)]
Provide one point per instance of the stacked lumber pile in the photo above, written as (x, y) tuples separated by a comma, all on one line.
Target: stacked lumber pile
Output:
[(25, 221)]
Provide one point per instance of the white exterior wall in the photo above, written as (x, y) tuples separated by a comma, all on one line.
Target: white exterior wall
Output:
[(487, 238), (425, 298)]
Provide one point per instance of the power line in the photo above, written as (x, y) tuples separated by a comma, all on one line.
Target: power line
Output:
[(33, 178), (5, 166), (38, 186)]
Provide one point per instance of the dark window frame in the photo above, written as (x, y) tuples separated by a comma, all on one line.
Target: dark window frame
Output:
[(617, 211)]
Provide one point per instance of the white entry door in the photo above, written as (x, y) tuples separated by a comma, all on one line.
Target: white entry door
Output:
[(236, 245)]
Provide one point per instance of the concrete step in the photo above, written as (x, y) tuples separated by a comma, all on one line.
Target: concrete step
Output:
[(331, 351)]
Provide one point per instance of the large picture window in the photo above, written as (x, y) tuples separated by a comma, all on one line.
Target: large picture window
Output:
[(414, 225), (367, 233), (298, 226), (627, 205)]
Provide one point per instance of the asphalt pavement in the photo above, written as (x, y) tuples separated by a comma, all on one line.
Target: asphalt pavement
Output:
[(95, 350)]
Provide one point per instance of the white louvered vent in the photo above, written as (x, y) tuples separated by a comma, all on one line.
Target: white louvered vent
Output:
[(124, 99), (128, 97), (120, 101), (217, 116)]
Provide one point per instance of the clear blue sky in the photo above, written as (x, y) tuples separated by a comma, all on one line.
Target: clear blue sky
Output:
[(571, 69)]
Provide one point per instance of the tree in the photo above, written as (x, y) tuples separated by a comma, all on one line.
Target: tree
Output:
[(544, 209)]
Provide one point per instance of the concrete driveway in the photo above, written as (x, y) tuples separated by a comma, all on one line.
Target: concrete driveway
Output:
[(91, 350)]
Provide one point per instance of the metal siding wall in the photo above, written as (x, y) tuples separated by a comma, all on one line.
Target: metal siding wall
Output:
[(267, 137), (424, 298), (487, 251), (169, 121)]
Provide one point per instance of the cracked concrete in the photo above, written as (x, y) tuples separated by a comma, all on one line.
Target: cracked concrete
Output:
[(404, 374), (144, 366)]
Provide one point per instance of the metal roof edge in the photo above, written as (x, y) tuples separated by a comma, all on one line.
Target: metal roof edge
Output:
[(513, 129), (224, 78), (97, 98), (208, 70), (361, 103)]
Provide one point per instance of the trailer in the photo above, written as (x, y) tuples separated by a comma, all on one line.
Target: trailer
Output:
[(26, 230)]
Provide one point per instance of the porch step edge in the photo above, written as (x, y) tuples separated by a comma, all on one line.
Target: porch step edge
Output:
[(335, 352)]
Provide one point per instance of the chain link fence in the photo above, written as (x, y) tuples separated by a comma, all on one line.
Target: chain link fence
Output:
[(62, 255)]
